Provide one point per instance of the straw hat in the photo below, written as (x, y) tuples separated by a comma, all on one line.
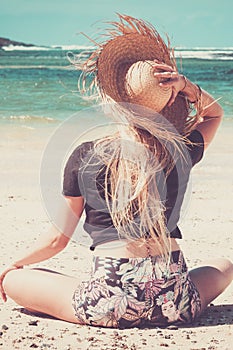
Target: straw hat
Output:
[(123, 70)]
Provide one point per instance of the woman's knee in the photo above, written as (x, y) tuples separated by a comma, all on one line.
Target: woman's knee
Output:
[(222, 266), (11, 281), (212, 278), (229, 270), (225, 266)]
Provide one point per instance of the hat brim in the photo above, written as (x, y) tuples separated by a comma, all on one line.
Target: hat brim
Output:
[(133, 41)]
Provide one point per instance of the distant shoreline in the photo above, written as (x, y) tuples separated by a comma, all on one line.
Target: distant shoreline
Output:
[(9, 42), (5, 42)]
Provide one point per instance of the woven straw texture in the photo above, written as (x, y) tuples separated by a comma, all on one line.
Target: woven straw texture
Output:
[(130, 41), (144, 89)]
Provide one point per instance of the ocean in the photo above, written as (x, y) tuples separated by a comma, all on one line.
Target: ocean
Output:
[(39, 85)]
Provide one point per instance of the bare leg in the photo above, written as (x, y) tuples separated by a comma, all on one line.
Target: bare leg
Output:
[(212, 279), (42, 291)]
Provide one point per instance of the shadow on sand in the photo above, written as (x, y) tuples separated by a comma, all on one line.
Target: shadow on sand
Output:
[(214, 315)]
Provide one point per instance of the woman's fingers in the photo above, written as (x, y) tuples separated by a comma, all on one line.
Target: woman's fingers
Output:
[(166, 75), (169, 77), (3, 295), (172, 98), (2, 276), (168, 82), (2, 292), (163, 67)]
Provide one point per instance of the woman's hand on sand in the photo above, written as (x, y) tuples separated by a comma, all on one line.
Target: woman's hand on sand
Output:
[(169, 77), (2, 276)]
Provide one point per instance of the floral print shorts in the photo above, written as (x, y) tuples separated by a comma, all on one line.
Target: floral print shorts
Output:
[(137, 292)]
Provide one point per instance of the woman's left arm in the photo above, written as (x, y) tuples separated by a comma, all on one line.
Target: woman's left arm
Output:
[(53, 241), (57, 237)]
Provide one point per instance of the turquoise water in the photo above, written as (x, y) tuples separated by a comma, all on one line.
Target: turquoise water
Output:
[(40, 86)]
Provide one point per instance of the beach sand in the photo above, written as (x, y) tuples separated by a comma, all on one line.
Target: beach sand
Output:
[(207, 230)]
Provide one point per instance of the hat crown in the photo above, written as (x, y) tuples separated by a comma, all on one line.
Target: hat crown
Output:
[(144, 89)]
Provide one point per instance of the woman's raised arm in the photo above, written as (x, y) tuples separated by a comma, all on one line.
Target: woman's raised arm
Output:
[(210, 112)]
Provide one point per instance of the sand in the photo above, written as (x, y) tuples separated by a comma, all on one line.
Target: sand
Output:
[(207, 230)]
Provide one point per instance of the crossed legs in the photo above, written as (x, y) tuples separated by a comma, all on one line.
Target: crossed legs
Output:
[(42, 291), (51, 293)]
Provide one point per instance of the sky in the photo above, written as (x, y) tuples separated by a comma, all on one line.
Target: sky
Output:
[(189, 23)]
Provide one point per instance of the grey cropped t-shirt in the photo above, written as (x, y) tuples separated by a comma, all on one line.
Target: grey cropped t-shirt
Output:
[(84, 176)]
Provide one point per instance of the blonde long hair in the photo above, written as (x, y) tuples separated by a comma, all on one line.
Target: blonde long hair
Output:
[(143, 151), (145, 147)]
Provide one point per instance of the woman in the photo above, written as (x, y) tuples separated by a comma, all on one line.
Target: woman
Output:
[(131, 186)]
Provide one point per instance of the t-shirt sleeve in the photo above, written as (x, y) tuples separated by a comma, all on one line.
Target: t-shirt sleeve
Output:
[(196, 149), (71, 185)]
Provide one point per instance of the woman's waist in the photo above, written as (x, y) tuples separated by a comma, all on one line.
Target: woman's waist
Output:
[(131, 249)]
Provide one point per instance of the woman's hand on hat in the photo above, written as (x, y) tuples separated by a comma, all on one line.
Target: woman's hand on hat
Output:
[(169, 77)]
